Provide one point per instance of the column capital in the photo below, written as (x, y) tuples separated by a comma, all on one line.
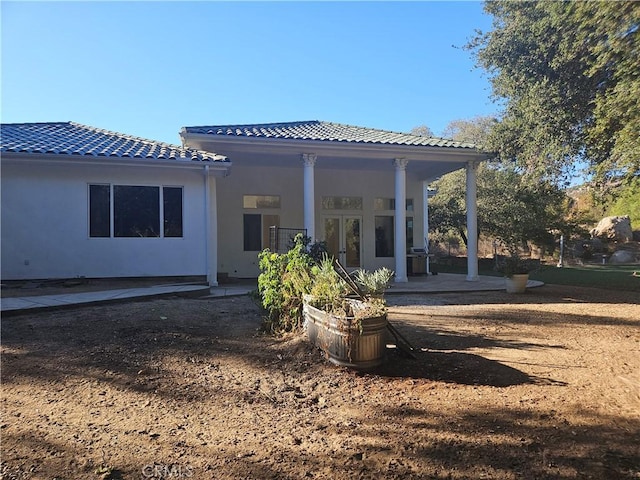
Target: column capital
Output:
[(400, 163), (309, 159)]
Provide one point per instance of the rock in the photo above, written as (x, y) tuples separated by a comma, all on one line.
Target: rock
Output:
[(616, 228), (622, 256)]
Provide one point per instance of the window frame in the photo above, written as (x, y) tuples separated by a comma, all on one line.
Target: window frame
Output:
[(162, 228)]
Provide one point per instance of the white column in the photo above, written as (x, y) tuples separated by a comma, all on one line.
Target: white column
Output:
[(472, 223), (211, 228), (401, 220), (309, 160), (425, 220)]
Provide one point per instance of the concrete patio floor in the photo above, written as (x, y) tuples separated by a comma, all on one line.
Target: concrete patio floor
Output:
[(442, 283)]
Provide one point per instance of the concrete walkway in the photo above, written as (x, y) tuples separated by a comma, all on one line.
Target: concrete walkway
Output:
[(442, 283)]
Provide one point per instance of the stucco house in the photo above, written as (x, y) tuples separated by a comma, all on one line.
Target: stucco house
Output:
[(81, 201)]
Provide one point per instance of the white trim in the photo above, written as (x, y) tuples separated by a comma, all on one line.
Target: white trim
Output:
[(472, 222), (309, 161), (401, 219)]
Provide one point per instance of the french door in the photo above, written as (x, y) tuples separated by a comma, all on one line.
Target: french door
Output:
[(342, 234)]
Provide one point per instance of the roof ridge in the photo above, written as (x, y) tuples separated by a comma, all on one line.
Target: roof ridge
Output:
[(321, 122)]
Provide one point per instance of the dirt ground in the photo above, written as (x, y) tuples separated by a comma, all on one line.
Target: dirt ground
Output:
[(533, 386)]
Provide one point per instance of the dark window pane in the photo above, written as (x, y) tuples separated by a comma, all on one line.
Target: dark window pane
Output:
[(172, 200), (99, 214), (252, 233), (136, 211), (409, 233), (384, 236)]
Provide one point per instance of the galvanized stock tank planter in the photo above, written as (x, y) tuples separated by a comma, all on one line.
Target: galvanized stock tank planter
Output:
[(357, 341)]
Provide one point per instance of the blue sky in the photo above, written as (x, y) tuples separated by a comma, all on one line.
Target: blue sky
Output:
[(149, 68)]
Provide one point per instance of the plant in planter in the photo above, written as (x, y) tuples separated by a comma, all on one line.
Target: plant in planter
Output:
[(516, 271), (373, 284), (282, 283), (349, 326)]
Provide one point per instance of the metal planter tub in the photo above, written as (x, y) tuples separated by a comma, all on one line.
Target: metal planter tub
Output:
[(348, 341)]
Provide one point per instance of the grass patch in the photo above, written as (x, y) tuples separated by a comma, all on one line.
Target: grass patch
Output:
[(616, 277)]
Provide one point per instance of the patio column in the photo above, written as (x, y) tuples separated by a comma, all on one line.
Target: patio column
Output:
[(425, 220), (211, 227), (472, 223), (309, 161), (401, 219)]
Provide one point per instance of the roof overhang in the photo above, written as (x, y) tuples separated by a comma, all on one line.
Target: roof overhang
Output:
[(424, 162), (212, 168)]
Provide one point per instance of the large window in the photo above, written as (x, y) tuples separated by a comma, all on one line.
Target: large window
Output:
[(342, 203), (390, 204), (385, 235), (261, 201), (256, 230), (138, 211), (256, 225)]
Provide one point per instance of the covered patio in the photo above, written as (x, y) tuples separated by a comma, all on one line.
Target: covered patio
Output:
[(329, 159)]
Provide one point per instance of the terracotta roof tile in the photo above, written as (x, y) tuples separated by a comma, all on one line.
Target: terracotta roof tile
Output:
[(69, 138)]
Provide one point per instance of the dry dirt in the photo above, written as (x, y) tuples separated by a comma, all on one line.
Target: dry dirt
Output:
[(533, 386)]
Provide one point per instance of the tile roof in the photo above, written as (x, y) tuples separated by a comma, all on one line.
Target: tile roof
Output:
[(325, 131), (70, 138)]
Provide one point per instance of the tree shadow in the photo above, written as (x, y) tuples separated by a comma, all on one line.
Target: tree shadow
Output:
[(456, 367)]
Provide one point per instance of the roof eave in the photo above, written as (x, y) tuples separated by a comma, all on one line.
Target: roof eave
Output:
[(372, 150), (19, 157)]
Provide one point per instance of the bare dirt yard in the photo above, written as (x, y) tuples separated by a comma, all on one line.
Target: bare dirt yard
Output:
[(533, 386)]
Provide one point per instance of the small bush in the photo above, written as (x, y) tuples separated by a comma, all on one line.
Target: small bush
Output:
[(282, 283)]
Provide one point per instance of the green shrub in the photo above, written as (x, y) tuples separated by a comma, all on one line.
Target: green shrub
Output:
[(282, 283)]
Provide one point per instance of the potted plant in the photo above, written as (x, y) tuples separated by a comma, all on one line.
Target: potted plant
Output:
[(347, 317), (516, 271)]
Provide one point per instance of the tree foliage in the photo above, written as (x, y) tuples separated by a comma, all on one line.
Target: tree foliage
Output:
[(628, 203), (568, 75), (422, 131), (512, 207)]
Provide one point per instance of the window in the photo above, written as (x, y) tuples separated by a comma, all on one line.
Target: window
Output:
[(99, 210), (385, 235), (256, 230), (138, 211), (342, 203), (261, 201), (172, 206), (390, 204)]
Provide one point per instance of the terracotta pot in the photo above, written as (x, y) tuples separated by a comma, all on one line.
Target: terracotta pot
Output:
[(517, 283), (356, 343)]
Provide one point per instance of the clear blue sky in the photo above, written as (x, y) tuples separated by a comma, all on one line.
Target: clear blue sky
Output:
[(147, 68)]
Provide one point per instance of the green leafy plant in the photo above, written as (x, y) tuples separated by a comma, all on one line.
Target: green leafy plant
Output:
[(515, 265), (328, 290), (282, 283), (373, 283), (330, 293)]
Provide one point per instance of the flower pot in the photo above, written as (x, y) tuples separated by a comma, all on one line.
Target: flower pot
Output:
[(516, 283), (347, 341)]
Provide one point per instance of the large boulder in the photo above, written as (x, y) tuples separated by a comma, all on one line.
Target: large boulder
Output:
[(622, 256), (615, 229)]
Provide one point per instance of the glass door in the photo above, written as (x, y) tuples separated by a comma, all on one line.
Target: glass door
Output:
[(342, 234)]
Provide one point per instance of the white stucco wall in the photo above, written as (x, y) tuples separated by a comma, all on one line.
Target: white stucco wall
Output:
[(288, 183), (45, 231)]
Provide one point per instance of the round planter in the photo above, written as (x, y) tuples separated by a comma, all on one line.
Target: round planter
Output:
[(516, 283), (347, 341)]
